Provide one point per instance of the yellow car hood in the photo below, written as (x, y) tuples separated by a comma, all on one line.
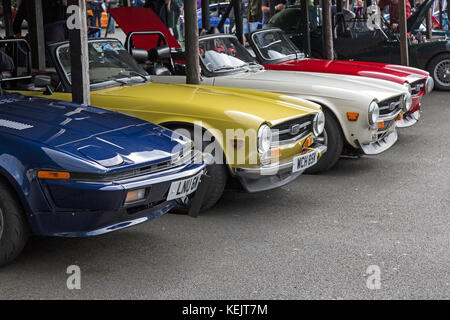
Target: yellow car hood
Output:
[(205, 102)]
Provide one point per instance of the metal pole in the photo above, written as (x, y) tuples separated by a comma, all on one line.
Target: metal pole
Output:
[(403, 35), (79, 58), (238, 20), (304, 18), (36, 31), (327, 30), (7, 17), (429, 24), (441, 20), (191, 42), (205, 14)]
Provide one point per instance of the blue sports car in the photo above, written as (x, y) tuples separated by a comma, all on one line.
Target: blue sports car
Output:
[(75, 171)]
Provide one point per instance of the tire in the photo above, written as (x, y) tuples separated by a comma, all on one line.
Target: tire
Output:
[(219, 176), (334, 140), (14, 230), (439, 69)]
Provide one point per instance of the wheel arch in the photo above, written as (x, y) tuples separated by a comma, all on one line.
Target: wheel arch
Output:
[(11, 182)]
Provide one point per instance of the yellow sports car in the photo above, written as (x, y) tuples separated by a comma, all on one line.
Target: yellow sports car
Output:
[(263, 140)]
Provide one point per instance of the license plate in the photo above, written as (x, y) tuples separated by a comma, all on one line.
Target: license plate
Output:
[(305, 161), (182, 188)]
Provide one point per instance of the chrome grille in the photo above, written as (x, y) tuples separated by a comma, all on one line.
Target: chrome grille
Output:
[(417, 87), (390, 106), (292, 130)]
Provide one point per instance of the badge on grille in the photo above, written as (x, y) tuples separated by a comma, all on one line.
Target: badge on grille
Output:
[(295, 129)]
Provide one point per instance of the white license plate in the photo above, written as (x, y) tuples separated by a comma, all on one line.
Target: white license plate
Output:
[(305, 161), (182, 188)]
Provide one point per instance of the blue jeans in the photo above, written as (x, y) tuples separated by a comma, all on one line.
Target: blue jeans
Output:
[(98, 22), (248, 26), (112, 25)]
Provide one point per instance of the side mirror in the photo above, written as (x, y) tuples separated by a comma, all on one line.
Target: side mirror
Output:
[(43, 81), (159, 53)]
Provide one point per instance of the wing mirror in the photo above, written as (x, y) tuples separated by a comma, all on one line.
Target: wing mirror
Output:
[(140, 55), (43, 81)]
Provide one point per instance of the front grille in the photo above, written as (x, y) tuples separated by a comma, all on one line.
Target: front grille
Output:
[(292, 130), (417, 87), (390, 106)]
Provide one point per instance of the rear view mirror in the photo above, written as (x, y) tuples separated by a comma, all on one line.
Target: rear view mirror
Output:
[(159, 53), (140, 55), (43, 81)]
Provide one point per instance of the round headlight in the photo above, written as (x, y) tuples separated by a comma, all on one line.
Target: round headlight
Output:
[(319, 123), (407, 102), (374, 112), (429, 85), (408, 86), (264, 138)]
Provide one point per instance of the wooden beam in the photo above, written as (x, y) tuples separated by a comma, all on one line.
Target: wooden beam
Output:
[(79, 57), (205, 14), (238, 20), (36, 31), (191, 42), (403, 33), (7, 18), (327, 30), (304, 26), (429, 24)]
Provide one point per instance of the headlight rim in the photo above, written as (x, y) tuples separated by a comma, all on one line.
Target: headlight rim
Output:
[(315, 126), (407, 102), (264, 126), (429, 83), (373, 106)]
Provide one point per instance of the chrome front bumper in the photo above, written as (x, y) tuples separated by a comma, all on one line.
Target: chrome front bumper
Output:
[(380, 145), (409, 120), (270, 177)]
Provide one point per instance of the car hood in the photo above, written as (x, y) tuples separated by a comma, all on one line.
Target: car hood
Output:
[(419, 15), (308, 84), (383, 71), (205, 102), (107, 138)]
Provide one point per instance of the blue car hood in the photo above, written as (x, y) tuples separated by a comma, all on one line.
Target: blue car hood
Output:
[(106, 137)]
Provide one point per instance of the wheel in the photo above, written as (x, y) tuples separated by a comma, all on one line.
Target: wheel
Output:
[(439, 69), (333, 138), (218, 174), (13, 226)]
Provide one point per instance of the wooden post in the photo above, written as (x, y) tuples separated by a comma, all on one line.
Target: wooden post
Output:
[(403, 35), (338, 6), (36, 31), (327, 30), (441, 20), (7, 18), (79, 57), (429, 24), (191, 41), (205, 14), (304, 18), (238, 20)]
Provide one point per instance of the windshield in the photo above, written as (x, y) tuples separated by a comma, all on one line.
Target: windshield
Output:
[(223, 54), (274, 45), (108, 61)]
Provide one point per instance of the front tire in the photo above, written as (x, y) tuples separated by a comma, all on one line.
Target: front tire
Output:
[(439, 69), (333, 138), (13, 226), (219, 176)]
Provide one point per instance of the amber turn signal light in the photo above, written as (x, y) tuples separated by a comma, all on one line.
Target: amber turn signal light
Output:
[(399, 117), (308, 142), (275, 153), (380, 124), (57, 175), (352, 116)]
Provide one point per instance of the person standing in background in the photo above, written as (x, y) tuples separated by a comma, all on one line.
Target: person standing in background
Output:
[(169, 14), (112, 22), (265, 8), (394, 18), (97, 10), (246, 25)]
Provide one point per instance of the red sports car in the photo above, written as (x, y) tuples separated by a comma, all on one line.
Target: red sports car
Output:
[(273, 49)]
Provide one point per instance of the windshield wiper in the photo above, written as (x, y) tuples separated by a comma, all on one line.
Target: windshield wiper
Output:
[(138, 74)]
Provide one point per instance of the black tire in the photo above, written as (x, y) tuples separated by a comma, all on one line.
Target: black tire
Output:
[(14, 230), (219, 176), (437, 68), (335, 144)]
